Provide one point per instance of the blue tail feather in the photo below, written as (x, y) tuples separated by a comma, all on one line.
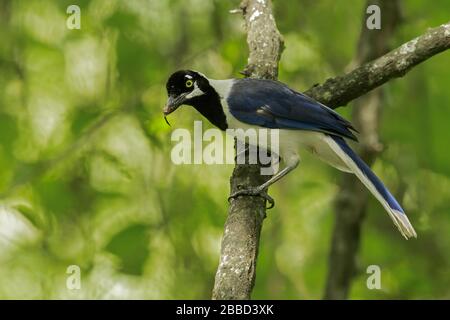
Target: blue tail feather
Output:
[(380, 187)]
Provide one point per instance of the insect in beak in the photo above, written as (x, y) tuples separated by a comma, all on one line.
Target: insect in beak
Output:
[(167, 121)]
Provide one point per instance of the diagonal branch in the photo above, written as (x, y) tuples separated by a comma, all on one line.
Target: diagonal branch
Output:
[(341, 90)]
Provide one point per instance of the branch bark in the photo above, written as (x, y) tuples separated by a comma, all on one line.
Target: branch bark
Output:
[(352, 199), (341, 90), (235, 276)]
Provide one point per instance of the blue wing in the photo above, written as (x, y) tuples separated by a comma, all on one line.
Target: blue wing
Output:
[(272, 104)]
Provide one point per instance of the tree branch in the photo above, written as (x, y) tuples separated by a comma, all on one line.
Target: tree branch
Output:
[(341, 90), (235, 275), (352, 199)]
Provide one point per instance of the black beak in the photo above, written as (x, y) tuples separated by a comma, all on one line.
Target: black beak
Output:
[(173, 103)]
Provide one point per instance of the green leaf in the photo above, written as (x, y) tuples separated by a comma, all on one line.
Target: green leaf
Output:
[(131, 247)]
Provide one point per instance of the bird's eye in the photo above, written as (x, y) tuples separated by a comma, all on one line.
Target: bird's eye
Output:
[(189, 83)]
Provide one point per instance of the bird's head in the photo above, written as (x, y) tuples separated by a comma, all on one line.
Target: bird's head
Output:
[(185, 87), (194, 89)]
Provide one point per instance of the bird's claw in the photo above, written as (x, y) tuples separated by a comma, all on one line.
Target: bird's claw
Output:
[(254, 192)]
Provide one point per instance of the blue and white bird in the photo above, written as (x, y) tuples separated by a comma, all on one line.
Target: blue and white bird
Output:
[(302, 123)]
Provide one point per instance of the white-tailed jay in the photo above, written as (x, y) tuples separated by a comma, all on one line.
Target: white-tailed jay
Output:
[(301, 121)]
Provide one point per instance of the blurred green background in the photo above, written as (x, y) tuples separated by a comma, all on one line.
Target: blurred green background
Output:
[(86, 177)]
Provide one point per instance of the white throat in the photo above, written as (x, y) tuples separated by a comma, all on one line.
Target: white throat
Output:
[(222, 87)]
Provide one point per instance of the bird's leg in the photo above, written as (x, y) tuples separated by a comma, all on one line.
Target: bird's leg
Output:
[(242, 152), (260, 190)]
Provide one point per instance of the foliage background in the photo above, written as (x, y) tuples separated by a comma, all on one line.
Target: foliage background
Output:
[(86, 176)]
